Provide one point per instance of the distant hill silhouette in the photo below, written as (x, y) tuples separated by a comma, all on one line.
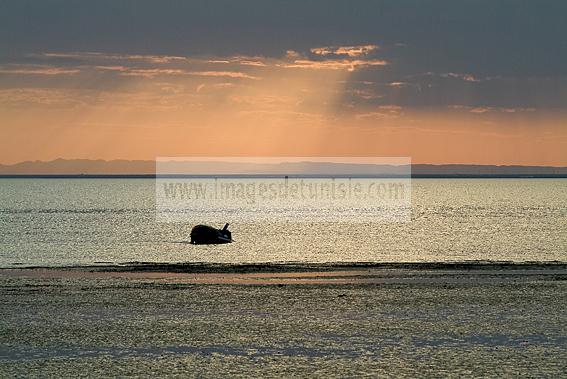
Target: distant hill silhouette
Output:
[(80, 166), (147, 167)]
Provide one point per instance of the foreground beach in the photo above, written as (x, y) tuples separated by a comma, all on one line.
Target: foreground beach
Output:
[(462, 319)]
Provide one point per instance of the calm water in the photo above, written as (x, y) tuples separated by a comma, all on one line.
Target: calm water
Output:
[(83, 221)]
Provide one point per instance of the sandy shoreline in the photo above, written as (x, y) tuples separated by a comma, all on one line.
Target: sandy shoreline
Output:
[(486, 320)]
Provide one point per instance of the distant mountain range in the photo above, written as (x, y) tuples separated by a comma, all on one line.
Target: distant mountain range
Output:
[(78, 167)]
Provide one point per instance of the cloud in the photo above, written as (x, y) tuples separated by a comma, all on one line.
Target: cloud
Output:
[(397, 84), (242, 60), (455, 75), (516, 110), (153, 72), (382, 112), (48, 97), (248, 62), (465, 77), (222, 85), (365, 94), (292, 54), (376, 115), (214, 86), (324, 51), (227, 74), (123, 57), (347, 58), (37, 70), (333, 64), (480, 110), (142, 72), (391, 108), (264, 100), (351, 51), (112, 68)]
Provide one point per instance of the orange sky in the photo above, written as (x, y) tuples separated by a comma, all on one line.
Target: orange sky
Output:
[(111, 108)]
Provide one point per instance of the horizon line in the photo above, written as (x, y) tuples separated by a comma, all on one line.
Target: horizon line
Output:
[(233, 157)]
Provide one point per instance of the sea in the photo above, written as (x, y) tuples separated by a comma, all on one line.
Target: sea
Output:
[(90, 221), (409, 323)]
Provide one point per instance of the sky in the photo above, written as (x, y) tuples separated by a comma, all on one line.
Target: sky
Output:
[(479, 82)]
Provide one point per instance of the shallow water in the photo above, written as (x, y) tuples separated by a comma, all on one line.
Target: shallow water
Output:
[(84, 221)]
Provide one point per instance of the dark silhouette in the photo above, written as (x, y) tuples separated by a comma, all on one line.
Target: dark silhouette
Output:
[(204, 234), (125, 168)]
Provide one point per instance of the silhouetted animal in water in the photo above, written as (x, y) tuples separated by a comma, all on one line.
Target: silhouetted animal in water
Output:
[(204, 234)]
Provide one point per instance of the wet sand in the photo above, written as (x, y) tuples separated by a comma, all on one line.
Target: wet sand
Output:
[(191, 320), (305, 273)]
